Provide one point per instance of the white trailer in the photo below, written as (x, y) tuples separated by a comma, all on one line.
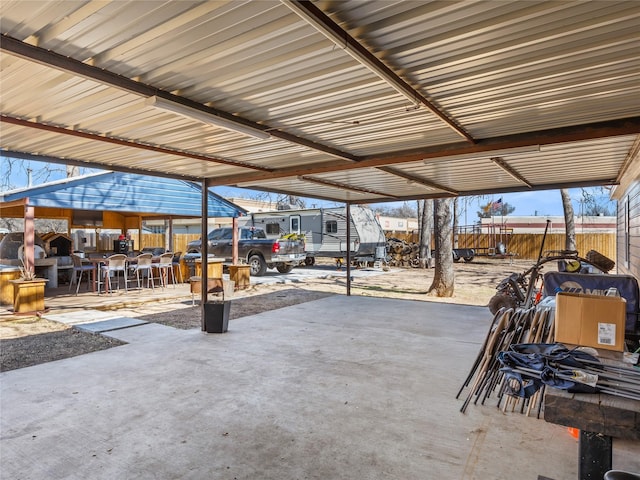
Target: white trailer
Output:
[(325, 231)]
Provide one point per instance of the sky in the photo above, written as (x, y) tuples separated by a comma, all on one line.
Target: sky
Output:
[(541, 203)]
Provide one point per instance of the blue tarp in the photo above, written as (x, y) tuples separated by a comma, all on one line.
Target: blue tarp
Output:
[(125, 192)]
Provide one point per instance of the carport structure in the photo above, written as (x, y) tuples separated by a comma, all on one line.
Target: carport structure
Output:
[(348, 101), (357, 102)]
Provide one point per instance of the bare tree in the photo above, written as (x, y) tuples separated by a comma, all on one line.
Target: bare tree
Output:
[(596, 201), (570, 227), (425, 218), (40, 172), (405, 210), (443, 279)]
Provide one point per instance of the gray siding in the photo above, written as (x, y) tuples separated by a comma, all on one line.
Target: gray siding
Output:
[(628, 234)]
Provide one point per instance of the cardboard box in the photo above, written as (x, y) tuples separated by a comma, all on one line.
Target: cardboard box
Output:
[(590, 320)]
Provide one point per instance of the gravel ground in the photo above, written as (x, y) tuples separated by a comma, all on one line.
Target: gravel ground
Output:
[(27, 341)]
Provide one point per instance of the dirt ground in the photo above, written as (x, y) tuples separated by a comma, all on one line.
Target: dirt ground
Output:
[(27, 341)]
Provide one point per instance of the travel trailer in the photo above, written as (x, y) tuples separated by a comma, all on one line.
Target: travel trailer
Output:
[(325, 231)]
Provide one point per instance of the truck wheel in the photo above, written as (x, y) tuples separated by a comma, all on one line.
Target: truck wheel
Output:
[(501, 301), (284, 267), (468, 259), (309, 261), (258, 265)]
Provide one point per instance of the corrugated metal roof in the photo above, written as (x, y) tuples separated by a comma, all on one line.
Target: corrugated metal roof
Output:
[(124, 192), (75, 76)]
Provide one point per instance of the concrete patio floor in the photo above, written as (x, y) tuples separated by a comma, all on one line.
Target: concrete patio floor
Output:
[(339, 388)]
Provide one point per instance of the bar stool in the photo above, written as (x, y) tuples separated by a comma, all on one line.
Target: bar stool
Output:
[(142, 264), (113, 266), (78, 269), (175, 262), (165, 268)]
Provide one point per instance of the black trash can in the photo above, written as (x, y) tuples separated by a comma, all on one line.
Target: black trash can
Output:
[(216, 316)]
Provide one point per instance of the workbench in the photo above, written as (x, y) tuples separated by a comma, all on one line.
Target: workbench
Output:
[(600, 418)]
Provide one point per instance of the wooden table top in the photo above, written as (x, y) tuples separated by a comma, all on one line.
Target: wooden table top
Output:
[(603, 413)]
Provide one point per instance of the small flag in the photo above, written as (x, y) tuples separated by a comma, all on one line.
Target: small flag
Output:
[(497, 204)]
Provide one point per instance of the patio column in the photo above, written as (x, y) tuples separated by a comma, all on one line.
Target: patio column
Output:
[(348, 249), (234, 241), (29, 236), (204, 249)]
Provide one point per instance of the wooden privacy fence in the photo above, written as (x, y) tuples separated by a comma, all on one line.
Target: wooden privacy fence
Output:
[(527, 245), (180, 241), (523, 245)]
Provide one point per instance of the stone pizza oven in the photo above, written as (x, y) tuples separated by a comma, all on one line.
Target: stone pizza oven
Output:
[(59, 246), (11, 247)]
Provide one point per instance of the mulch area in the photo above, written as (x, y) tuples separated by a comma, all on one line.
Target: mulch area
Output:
[(32, 350), (188, 318), (47, 347)]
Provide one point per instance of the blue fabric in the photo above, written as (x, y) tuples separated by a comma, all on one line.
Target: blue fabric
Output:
[(551, 364)]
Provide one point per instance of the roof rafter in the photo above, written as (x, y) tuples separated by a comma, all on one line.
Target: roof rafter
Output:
[(417, 179), (128, 143), (105, 77), (88, 164), (340, 37), (344, 186), (592, 131), (501, 162)]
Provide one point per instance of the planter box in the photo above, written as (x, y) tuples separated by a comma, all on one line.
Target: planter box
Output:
[(28, 295), (241, 275), (7, 274), (214, 268)]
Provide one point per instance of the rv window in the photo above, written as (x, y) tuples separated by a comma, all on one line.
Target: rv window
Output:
[(294, 224), (273, 229), (332, 226)]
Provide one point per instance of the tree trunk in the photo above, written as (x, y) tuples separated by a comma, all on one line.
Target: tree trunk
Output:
[(426, 227), (570, 227), (443, 279)]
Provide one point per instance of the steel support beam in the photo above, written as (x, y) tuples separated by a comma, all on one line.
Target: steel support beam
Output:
[(344, 186), (105, 77), (126, 143), (341, 38), (576, 133), (500, 162)]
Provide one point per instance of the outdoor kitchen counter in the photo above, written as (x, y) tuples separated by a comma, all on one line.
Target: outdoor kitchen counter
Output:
[(600, 417), (48, 266)]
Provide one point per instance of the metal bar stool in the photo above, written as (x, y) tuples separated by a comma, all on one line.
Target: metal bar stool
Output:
[(78, 269), (112, 267), (141, 266), (175, 262), (165, 269)]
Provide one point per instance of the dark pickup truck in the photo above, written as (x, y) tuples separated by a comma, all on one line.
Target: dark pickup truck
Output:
[(254, 248)]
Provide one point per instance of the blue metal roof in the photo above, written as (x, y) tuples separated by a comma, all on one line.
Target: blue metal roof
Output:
[(125, 192)]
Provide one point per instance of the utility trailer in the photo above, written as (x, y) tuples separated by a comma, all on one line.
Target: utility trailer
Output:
[(463, 253), (325, 232)]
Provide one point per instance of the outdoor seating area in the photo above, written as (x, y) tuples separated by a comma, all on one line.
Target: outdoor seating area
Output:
[(109, 273)]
